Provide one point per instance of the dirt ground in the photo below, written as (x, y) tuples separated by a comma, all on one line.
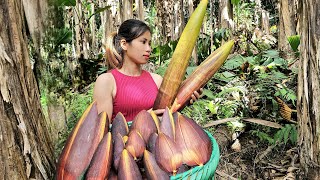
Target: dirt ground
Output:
[(253, 160)]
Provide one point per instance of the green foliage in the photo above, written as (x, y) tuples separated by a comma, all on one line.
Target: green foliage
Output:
[(287, 94), (76, 104), (282, 134), (99, 10), (234, 63), (236, 126), (294, 42), (225, 76), (263, 136), (220, 35), (203, 46), (286, 134), (65, 2), (162, 53), (161, 56), (235, 2), (150, 16), (244, 14), (250, 39), (226, 102), (265, 73), (245, 86), (56, 37)]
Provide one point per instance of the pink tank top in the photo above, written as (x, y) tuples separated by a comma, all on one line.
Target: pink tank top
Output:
[(134, 93)]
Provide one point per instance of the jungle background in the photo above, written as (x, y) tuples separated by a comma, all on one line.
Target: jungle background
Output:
[(262, 106)]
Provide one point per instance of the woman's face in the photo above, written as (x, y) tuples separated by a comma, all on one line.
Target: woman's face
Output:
[(139, 49)]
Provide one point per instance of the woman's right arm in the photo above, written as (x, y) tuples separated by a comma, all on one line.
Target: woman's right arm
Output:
[(103, 93)]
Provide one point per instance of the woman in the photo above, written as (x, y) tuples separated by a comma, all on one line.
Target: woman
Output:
[(127, 88)]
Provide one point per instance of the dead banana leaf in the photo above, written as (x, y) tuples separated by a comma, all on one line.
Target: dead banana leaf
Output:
[(253, 120), (263, 122)]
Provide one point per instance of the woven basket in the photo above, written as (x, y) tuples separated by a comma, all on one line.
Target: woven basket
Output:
[(206, 171)]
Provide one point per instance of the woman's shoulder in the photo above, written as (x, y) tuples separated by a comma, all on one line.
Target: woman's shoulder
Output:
[(105, 78), (155, 75), (157, 79)]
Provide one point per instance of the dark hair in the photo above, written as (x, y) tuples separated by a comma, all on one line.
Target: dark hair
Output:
[(128, 30)]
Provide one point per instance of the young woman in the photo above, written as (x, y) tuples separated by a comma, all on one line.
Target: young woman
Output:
[(127, 88)]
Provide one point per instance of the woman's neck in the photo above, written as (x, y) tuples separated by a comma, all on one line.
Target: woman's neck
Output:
[(131, 69)]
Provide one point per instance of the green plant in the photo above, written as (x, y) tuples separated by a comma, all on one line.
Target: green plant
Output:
[(76, 104), (224, 102), (220, 35), (287, 94), (294, 42), (286, 134), (162, 53), (203, 47)]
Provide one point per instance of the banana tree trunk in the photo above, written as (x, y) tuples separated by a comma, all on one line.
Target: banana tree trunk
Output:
[(26, 150), (92, 35), (108, 18), (139, 9), (212, 22), (57, 124), (35, 12), (165, 19), (308, 97), (265, 21), (287, 23), (177, 19), (126, 10), (226, 15)]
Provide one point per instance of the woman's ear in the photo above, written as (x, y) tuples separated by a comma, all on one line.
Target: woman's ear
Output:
[(123, 44)]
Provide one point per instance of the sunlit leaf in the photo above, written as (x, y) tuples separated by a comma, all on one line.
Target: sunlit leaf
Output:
[(271, 54), (294, 42), (213, 108), (225, 76), (235, 2), (99, 10), (286, 133), (233, 63), (63, 36), (293, 135), (278, 136)]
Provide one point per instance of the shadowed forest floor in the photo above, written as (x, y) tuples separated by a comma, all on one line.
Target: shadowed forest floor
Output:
[(257, 161)]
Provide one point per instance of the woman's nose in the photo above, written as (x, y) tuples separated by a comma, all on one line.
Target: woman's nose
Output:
[(149, 48)]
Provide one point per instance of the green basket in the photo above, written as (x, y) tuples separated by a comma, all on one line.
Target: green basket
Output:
[(206, 171)]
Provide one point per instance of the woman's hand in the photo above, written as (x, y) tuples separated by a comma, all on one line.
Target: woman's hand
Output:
[(158, 112), (196, 95)]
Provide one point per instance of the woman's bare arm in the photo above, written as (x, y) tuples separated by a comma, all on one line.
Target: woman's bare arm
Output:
[(103, 93), (157, 79)]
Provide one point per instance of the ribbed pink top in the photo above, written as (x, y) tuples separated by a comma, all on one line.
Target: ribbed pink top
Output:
[(134, 93)]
